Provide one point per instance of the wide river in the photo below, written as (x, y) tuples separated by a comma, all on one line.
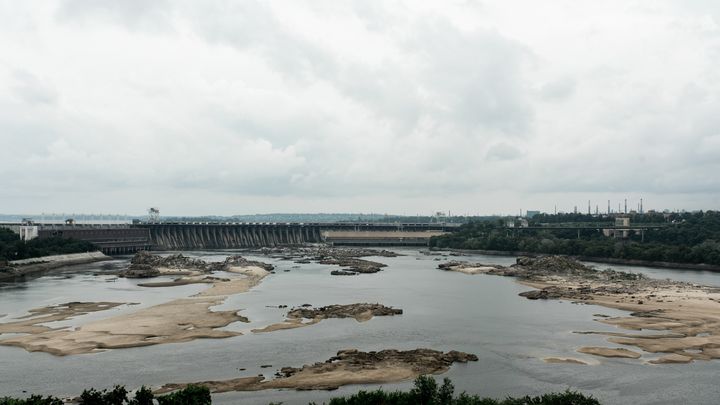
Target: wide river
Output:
[(478, 314)]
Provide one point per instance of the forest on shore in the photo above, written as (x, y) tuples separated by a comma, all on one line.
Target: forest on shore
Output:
[(12, 248), (684, 237)]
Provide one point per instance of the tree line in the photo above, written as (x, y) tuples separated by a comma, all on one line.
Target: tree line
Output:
[(426, 391), (678, 238), (12, 248)]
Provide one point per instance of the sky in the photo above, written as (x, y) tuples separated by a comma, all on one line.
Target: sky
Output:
[(404, 107)]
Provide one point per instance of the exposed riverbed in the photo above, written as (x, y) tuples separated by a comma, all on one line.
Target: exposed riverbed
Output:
[(441, 310)]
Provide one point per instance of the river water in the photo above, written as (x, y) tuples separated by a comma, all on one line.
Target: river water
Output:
[(478, 314)]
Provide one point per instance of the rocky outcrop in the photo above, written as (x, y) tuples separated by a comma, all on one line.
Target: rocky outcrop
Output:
[(343, 273), (145, 264), (349, 366), (343, 311), (347, 258), (354, 265)]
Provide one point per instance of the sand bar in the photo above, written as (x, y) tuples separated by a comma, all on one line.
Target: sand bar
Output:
[(176, 321), (688, 313), (348, 367)]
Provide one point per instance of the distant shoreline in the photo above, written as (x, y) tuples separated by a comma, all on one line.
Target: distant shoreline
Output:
[(605, 260), (22, 268)]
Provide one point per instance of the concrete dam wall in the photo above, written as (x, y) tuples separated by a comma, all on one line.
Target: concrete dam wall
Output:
[(230, 236)]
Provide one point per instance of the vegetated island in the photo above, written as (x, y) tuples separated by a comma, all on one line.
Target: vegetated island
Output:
[(688, 313), (686, 238)]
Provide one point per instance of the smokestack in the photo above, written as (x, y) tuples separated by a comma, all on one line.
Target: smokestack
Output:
[(626, 205), (641, 206), (589, 207), (608, 207)]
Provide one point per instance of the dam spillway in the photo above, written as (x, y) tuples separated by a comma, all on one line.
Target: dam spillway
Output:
[(118, 239), (230, 236)]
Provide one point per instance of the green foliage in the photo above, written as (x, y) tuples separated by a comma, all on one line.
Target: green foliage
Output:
[(427, 392), (143, 396), (191, 395), (33, 400), (684, 237), (12, 248), (93, 397)]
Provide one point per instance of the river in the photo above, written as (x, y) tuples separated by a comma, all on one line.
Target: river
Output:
[(478, 314)]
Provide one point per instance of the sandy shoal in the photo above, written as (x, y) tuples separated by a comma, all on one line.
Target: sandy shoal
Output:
[(564, 360), (179, 320), (689, 313), (349, 367)]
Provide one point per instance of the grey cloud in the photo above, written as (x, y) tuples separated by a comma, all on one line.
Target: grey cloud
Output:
[(557, 90), (240, 104), (503, 151), (33, 90), (135, 14)]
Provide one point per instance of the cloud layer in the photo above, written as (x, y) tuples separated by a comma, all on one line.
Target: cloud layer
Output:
[(476, 107)]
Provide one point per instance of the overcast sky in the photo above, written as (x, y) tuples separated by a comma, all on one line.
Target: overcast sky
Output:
[(237, 107)]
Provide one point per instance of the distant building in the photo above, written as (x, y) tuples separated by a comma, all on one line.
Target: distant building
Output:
[(622, 221), (531, 214), (28, 232), (619, 233)]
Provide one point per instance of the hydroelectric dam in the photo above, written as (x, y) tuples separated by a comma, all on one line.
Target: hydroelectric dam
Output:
[(130, 238)]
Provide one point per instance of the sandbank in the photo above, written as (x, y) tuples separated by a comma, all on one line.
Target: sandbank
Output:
[(689, 314), (176, 321), (348, 367), (610, 352)]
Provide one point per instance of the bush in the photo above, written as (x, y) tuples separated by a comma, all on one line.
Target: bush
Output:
[(191, 395), (426, 392)]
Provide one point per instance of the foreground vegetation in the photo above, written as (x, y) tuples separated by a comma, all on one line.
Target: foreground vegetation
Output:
[(425, 392), (12, 248), (191, 395), (677, 238)]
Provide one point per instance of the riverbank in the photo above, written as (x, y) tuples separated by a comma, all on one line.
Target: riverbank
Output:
[(593, 259), (689, 314), (26, 267)]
